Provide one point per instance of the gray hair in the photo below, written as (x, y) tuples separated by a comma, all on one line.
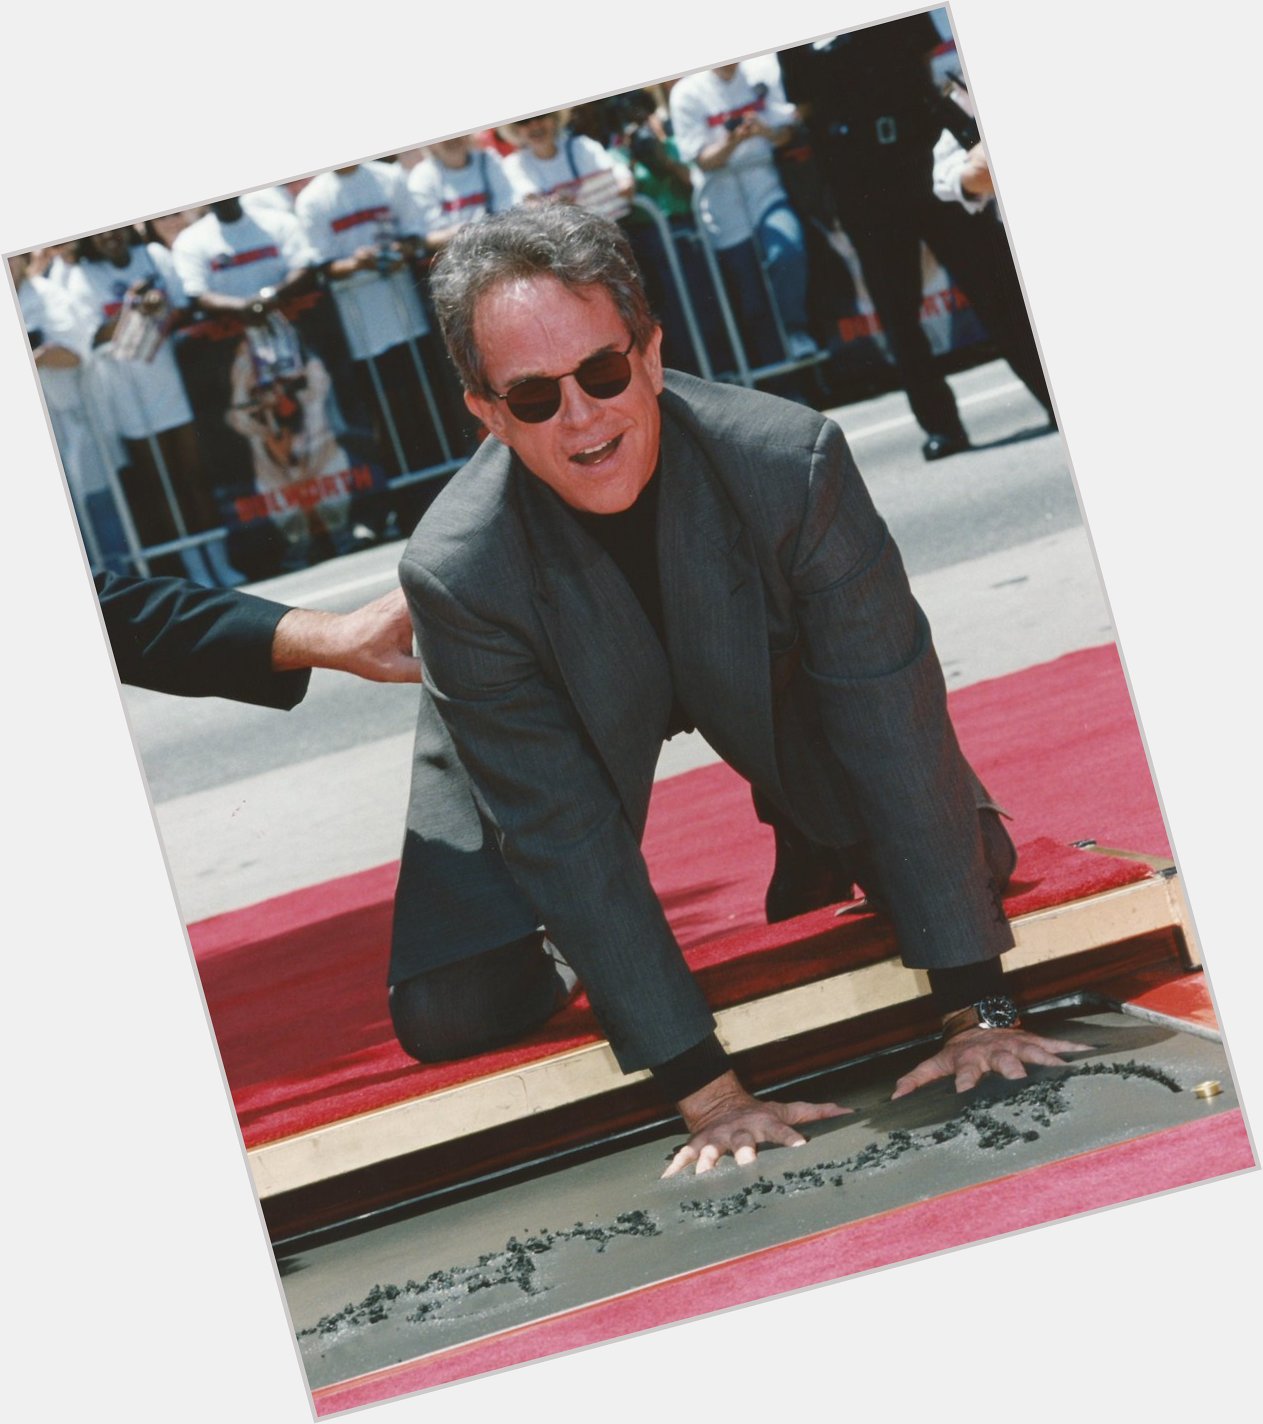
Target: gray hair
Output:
[(559, 240)]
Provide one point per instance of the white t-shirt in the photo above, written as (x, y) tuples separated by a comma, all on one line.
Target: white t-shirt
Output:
[(949, 168), (339, 214), (268, 200), (139, 398), (238, 259), (59, 271), (766, 69), (581, 170), (47, 309), (733, 198), (451, 197)]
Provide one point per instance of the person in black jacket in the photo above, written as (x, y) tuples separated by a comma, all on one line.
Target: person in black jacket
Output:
[(874, 116), (170, 635)]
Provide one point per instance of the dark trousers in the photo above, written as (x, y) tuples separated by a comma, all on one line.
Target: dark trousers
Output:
[(887, 228), (807, 876), (491, 999), (479, 1004)]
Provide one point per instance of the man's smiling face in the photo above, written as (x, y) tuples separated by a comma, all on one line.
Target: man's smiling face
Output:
[(596, 454)]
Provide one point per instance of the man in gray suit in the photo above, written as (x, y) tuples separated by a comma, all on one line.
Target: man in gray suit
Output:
[(632, 553)]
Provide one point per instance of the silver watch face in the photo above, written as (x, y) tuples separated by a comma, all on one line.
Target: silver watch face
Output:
[(999, 1011)]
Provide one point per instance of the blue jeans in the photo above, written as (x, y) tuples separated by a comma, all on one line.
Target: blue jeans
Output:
[(780, 235)]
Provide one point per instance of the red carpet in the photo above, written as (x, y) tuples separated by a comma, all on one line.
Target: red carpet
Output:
[(1056, 744), (1158, 1162)]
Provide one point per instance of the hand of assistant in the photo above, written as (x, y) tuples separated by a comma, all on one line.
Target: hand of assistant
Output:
[(969, 1056), (724, 1119), (372, 642), (378, 641)]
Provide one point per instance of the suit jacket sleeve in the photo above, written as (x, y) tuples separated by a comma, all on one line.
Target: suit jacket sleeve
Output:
[(563, 832), (883, 705), (178, 637)]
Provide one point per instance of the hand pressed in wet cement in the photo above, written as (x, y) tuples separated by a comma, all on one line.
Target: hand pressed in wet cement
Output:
[(723, 1118), (970, 1055)]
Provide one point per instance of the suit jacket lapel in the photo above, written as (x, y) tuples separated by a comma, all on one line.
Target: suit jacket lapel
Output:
[(608, 655), (713, 603)]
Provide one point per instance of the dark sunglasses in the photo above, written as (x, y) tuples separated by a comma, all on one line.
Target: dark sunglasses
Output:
[(538, 398)]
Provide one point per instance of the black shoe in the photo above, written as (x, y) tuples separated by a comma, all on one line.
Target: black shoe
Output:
[(807, 877), (939, 447)]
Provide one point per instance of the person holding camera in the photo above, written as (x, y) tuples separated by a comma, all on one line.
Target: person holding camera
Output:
[(728, 127)]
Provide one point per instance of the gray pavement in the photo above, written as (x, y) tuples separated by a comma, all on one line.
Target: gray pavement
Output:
[(251, 803)]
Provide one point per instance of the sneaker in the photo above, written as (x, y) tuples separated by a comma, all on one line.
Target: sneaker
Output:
[(800, 346)]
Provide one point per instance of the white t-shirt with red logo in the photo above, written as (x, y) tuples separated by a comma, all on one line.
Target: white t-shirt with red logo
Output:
[(732, 198), (238, 259), (339, 214), (451, 197), (581, 170), (133, 397)]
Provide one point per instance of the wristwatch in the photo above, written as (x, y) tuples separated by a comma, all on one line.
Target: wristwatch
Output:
[(995, 1011)]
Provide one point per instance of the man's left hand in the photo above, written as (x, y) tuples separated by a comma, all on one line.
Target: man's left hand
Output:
[(968, 1056)]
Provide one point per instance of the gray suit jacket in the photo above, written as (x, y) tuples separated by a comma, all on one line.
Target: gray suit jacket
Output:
[(793, 641)]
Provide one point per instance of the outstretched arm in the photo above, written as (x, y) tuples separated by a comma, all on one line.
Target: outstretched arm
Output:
[(174, 636), (373, 642)]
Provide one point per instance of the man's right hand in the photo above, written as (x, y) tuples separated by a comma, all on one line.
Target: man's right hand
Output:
[(723, 1118), (373, 642)]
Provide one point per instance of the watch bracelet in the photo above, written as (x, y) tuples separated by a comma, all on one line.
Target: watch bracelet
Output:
[(962, 1020)]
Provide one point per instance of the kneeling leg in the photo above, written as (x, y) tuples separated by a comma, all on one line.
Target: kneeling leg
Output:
[(479, 1003)]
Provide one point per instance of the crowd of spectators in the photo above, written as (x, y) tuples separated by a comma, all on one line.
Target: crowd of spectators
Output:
[(258, 384)]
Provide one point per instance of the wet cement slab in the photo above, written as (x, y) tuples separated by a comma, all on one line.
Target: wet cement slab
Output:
[(593, 1230)]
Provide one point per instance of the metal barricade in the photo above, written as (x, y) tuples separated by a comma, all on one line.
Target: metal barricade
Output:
[(746, 374), (358, 337), (100, 423), (683, 295), (100, 428), (450, 457), (141, 554)]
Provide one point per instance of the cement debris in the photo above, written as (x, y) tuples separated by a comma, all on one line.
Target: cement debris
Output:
[(1041, 1101), (990, 1123), (513, 1265)]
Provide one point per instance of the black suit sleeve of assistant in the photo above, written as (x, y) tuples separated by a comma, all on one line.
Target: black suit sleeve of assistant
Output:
[(173, 636)]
